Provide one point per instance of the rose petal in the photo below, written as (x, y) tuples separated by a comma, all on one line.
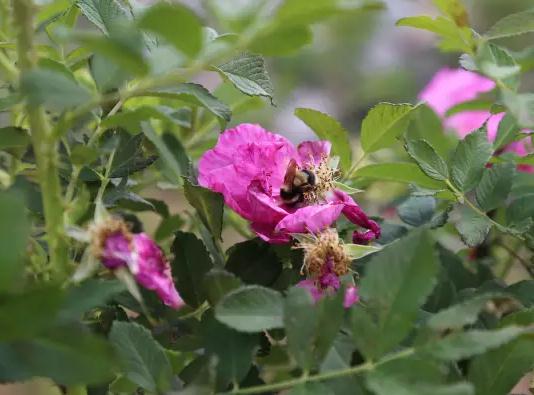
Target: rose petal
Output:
[(152, 270), (450, 87), (351, 296), (313, 151), (310, 218), (312, 288), (355, 214)]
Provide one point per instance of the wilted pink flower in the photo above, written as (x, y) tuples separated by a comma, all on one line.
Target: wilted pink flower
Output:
[(117, 247), (450, 87), (325, 261), (248, 166)]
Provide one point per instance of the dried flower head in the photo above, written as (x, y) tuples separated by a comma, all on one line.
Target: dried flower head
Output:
[(324, 250)]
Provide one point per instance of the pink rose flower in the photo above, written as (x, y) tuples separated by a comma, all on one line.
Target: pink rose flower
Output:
[(450, 87), (117, 247), (248, 166)]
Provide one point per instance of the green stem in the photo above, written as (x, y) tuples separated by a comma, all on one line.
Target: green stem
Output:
[(44, 147), (355, 166), (366, 367), (11, 73), (463, 199)]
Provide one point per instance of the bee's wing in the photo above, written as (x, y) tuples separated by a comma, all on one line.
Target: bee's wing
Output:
[(291, 171)]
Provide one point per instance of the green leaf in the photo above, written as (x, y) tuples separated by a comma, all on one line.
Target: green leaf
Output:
[(383, 124), (461, 345), (86, 296), (459, 315), (217, 283), (197, 95), (327, 128), (233, 349), (124, 47), (498, 64), (521, 106), (42, 304), (175, 23), (471, 105), (454, 9), (132, 120), (413, 376), (454, 38), (428, 159), (142, 360), (512, 25), (311, 389), (469, 160), (106, 74), (427, 125), (13, 137), (53, 89), (506, 132), (83, 155), (70, 357), (190, 264), (311, 330), (209, 206), (498, 371), (14, 232), (473, 227), (417, 210), (251, 309), (406, 173), (254, 261), (103, 13), (168, 226), (248, 74), (495, 186), (397, 281), (171, 151), (282, 42)]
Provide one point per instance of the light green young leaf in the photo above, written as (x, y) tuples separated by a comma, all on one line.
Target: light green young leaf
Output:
[(497, 63), (175, 23), (282, 41), (495, 186), (428, 159), (248, 74), (454, 9), (383, 124), (142, 359), (251, 309), (469, 160), (453, 37), (327, 128), (357, 251), (406, 173), (512, 25)]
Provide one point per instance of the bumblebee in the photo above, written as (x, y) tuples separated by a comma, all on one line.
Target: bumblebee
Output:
[(296, 183)]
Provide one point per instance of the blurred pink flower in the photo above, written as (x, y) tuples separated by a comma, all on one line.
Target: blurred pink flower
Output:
[(248, 166), (117, 247), (450, 87)]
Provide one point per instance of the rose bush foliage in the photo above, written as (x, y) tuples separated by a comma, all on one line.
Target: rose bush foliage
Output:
[(100, 111)]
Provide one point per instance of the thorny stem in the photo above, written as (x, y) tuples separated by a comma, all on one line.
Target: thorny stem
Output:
[(44, 147), (366, 367)]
